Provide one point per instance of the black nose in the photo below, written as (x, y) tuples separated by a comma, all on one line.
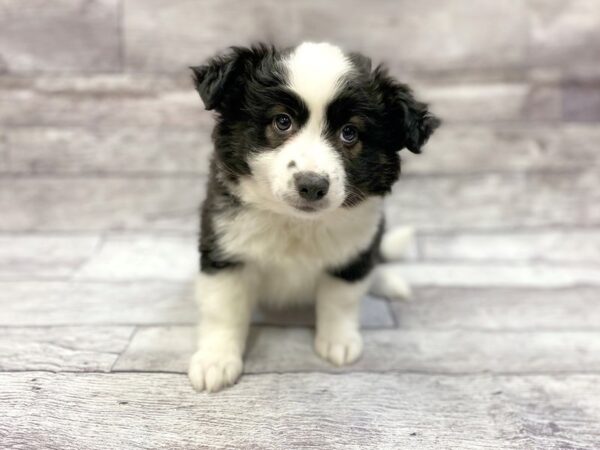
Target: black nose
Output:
[(311, 186)]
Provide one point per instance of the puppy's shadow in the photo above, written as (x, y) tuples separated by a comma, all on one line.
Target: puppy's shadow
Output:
[(293, 317)]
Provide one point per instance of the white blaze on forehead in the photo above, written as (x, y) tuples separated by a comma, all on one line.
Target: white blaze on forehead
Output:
[(315, 71)]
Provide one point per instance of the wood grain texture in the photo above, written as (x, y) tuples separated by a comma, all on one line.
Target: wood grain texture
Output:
[(485, 201), (138, 256), (92, 256), (118, 100), (72, 150), (459, 102), (31, 303), (564, 33), (5, 165), (392, 411), (144, 150), (196, 32), (172, 258), (62, 36), (580, 246), (133, 256), (428, 203), (89, 348), (50, 303), (163, 101), (276, 349), (498, 274), (581, 102), (30, 256), (499, 148), (497, 308), (93, 204), (386, 31), (42, 303)]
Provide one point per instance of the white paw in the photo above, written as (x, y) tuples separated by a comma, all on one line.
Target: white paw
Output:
[(341, 349), (215, 371)]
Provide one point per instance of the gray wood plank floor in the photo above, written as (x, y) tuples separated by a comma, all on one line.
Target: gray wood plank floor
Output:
[(93, 353), (103, 160)]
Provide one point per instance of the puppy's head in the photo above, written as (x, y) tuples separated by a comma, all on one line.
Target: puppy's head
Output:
[(310, 129)]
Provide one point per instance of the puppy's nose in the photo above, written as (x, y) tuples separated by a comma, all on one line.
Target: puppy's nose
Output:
[(311, 186)]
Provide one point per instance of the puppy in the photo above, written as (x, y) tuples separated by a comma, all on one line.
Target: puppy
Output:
[(306, 147)]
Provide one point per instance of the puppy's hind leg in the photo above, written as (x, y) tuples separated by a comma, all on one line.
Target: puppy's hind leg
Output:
[(225, 300), (395, 242), (387, 280), (389, 283)]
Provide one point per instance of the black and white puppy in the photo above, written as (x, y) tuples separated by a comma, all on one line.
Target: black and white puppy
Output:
[(306, 146)]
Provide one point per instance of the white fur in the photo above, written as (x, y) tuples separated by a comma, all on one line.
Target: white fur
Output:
[(388, 283), (315, 74), (285, 260), (291, 253), (272, 186), (225, 300), (395, 242), (315, 71)]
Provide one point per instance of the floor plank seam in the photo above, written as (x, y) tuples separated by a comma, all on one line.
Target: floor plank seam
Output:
[(369, 329), (122, 352), (93, 254), (391, 312), (548, 228), (557, 373), (415, 286), (197, 175)]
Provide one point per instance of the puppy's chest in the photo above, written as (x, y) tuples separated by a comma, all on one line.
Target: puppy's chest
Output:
[(268, 239)]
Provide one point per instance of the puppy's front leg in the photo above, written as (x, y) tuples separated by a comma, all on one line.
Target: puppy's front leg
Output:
[(225, 300), (338, 337)]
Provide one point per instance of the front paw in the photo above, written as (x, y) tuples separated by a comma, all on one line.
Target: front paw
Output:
[(340, 349), (213, 372)]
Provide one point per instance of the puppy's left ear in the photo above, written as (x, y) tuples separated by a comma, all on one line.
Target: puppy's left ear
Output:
[(410, 119)]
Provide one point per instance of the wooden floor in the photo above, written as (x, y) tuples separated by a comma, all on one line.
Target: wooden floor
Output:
[(95, 334), (103, 161)]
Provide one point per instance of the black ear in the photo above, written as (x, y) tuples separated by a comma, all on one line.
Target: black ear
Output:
[(362, 62), (222, 77), (409, 118), (211, 79)]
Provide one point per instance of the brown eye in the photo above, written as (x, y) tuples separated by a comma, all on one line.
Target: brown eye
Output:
[(282, 122), (349, 134)]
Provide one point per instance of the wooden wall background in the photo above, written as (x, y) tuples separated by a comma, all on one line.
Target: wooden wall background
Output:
[(100, 129)]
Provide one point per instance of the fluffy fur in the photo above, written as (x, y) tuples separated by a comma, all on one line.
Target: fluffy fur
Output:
[(306, 146)]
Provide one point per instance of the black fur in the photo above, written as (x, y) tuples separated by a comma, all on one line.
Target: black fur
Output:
[(243, 86), (218, 200), (410, 121), (364, 263)]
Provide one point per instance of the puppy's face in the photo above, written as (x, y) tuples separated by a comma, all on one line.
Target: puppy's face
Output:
[(311, 129)]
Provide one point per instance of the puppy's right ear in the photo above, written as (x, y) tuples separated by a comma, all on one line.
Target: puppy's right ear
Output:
[(221, 78), (212, 79)]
